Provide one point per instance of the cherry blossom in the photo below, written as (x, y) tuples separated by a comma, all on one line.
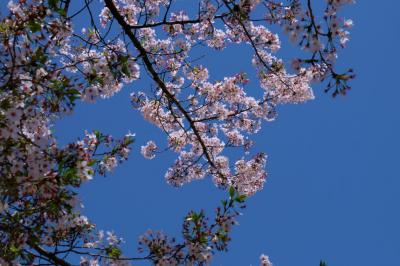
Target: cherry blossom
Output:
[(148, 150), (264, 260), (49, 63)]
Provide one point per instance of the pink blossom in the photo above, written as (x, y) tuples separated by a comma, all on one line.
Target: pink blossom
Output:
[(148, 150)]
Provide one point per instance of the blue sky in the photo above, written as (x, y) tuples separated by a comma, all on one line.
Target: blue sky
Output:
[(333, 190)]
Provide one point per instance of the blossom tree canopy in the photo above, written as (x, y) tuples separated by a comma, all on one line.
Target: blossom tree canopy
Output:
[(48, 63)]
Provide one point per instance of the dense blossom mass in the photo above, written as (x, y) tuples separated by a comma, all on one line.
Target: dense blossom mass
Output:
[(48, 64)]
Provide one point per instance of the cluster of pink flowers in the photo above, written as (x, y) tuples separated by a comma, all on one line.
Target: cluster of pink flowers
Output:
[(264, 260), (148, 150), (203, 117), (38, 88), (200, 237), (45, 68)]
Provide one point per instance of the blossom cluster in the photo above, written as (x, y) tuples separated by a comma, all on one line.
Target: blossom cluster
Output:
[(38, 201), (322, 37), (202, 117), (201, 237), (264, 260), (46, 66)]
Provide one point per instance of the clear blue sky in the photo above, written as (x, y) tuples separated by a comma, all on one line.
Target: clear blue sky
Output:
[(333, 190)]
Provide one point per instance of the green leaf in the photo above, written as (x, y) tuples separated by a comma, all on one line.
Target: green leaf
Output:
[(113, 252), (322, 263), (125, 65), (14, 249), (92, 162), (203, 240), (62, 12), (128, 141), (53, 3), (231, 192), (34, 26), (4, 27), (241, 198), (97, 134), (39, 55)]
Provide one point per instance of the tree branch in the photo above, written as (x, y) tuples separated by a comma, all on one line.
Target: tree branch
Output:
[(48, 255), (127, 29)]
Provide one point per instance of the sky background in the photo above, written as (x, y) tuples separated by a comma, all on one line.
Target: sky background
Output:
[(333, 189)]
